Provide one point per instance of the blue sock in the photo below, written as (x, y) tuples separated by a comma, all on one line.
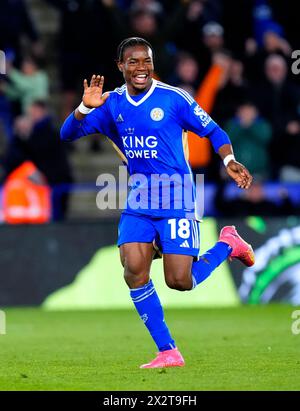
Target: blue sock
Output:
[(209, 261), (148, 306)]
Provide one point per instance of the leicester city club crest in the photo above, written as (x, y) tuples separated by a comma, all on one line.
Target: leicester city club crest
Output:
[(157, 114)]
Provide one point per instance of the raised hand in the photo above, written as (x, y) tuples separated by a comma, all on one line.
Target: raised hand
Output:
[(239, 174), (93, 94)]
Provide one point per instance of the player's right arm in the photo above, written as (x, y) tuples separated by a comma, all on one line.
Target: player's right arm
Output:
[(81, 122)]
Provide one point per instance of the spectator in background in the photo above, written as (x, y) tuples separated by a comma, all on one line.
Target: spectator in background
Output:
[(6, 119), (150, 23), (26, 196), (124, 4), (144, 22), (83, 33), (290, 158), (262, 13), (197, 14), (28, 84), (37, 140), (186, 73), (146, 5), (253, 202), (286, 13), (250, 135), (274, 42), (257, 51), (212, 43), (15, 24), (277, 99), (200, 153), (238, 25), (232, 92)]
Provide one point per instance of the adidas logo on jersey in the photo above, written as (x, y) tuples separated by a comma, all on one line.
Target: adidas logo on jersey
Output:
[(185, 244), (120, 118)]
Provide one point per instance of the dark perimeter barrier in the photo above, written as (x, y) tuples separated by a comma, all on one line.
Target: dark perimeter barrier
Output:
[(76, 265)]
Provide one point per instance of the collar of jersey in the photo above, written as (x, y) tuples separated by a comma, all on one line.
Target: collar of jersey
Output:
[(148, 94)]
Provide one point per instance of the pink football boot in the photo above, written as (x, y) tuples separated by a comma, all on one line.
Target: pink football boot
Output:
[(169, 358), (240, 249)]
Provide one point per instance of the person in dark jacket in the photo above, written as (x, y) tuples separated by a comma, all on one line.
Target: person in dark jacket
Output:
[(37, 140), (15, 23)]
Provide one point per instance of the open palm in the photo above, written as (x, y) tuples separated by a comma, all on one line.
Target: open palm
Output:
[(93, 94)]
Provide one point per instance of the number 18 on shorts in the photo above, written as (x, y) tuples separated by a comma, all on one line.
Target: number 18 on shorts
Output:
[(171, 235)]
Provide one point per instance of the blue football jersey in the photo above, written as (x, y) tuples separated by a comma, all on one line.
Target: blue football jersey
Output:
[(148, 130)]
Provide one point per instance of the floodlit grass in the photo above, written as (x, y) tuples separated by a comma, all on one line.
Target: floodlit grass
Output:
[(245, 348)]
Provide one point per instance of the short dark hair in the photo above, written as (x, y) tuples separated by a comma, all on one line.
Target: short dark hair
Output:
[(130, 42), (40, 103)]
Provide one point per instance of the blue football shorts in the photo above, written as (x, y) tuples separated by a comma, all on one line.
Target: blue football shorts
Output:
[(171, 235)]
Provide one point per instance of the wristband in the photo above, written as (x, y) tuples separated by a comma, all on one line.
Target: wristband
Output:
[(227, 159), (83, 109)]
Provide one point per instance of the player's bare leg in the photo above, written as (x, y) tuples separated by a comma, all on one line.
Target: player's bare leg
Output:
[(182, 274), (136, 259), (177, 270)]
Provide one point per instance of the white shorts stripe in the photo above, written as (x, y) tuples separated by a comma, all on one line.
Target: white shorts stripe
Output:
[(198, 233), (195, 234)]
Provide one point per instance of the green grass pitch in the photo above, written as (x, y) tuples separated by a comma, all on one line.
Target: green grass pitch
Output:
[(244, 348)]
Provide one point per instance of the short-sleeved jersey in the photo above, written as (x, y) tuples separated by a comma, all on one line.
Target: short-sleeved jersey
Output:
[(150, 135)]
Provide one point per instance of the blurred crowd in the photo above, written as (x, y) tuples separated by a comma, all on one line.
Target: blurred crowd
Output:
[(233, 57)]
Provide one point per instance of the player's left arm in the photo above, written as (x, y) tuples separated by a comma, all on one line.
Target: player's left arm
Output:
[(192, 117), (237, 171), (222, 145)]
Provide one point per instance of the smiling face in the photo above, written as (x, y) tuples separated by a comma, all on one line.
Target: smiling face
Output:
[(137, 68)]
